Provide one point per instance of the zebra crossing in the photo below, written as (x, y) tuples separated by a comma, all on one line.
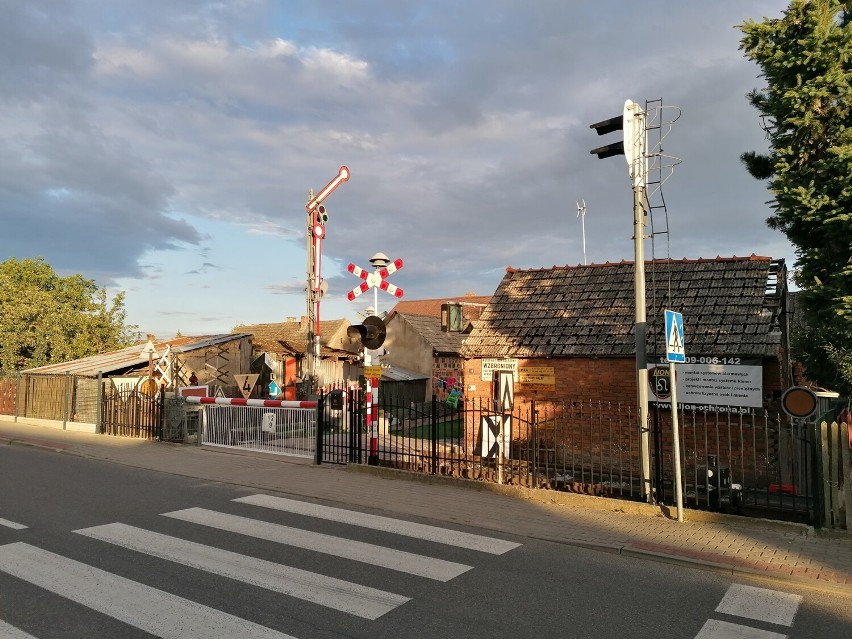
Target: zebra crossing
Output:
[(751, 603), (167, 614)]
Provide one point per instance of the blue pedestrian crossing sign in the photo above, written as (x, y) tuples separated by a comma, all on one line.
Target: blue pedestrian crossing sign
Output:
[(674, 338)]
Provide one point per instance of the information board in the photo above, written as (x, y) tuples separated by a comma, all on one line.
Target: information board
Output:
[(711, 383)]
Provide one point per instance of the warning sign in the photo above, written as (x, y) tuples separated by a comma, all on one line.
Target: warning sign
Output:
[(373, 372), (246, 383)]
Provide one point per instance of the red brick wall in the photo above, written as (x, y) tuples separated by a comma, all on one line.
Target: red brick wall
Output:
[(578, 378)]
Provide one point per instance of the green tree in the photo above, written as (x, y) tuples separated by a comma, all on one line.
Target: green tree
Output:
[(806, 59), (45, 318)]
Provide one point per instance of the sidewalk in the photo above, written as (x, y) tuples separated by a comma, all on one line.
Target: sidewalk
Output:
[(733, 545)]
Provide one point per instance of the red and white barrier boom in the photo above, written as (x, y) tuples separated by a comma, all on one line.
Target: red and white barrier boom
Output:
[(239, 401)]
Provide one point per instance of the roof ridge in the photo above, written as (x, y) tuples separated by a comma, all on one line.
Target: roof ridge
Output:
[(659, 261)]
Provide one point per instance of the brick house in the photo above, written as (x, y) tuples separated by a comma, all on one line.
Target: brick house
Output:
[(575, 326)]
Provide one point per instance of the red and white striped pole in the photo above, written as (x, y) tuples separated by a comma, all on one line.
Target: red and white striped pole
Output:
[(373, 420), (239, 401)]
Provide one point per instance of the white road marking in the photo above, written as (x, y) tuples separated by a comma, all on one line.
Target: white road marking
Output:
[(760, 604), (154, 611), (10, 632), (385, 524), (345, 596), (11, 524), (715, 629), (401, 561)]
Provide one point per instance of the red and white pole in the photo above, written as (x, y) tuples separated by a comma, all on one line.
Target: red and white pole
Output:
[(374, 422)]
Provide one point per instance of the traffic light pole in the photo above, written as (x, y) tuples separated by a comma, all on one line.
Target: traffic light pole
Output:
[(641, 332), (634, 148)]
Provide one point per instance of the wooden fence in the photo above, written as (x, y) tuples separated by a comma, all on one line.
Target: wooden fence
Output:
[(836, 474)]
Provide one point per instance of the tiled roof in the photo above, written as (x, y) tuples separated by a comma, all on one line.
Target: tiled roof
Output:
[(432, 308), (430, 329), (588, 311), (128, 358), (290, 337)]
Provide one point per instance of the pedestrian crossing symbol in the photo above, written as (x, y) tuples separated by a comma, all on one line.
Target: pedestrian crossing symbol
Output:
[(674, 338)]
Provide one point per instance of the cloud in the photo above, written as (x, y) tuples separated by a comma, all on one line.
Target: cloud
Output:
[(187, 135)]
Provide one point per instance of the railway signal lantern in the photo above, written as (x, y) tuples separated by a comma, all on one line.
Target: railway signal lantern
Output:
[(372, 332)]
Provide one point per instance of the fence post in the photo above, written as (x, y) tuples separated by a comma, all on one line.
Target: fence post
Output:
[(846, 496), (100, 409), (17, 393), (433, 432), (320, 411), (535, 451), (67, 400)]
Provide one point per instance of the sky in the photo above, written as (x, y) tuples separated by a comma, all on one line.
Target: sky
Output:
[(167, 148)]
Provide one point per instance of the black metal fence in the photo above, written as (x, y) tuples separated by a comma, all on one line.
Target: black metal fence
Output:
[(756, 464), (583, 447)]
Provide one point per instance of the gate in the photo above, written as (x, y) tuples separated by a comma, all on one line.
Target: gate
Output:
[(131, 413), (756, 463), (268, 426)]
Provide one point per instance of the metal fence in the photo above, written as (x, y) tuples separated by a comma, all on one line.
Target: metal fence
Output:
[(574, 446), (757, 464)]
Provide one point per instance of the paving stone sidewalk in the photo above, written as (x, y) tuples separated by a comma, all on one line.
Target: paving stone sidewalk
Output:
[(734, 545)]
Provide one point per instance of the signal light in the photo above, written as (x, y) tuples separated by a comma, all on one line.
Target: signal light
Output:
[(371, 333)]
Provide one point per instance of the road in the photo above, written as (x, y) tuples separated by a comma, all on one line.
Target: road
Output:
[(94, 549)]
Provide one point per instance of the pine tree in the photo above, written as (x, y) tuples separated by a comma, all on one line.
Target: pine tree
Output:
[(806, 108)]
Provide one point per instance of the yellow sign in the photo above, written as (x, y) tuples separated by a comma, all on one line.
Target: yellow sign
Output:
[(537, 378), (246, 383), (373, 372), (149, 387)]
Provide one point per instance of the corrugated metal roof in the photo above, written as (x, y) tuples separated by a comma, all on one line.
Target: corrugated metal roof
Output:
[(397, 374), (129, 358)]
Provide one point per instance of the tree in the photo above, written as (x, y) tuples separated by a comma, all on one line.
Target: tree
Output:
[(45, 318), (806, 107)]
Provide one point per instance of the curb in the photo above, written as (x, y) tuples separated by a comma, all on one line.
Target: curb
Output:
[(590, 502), (35, 443)]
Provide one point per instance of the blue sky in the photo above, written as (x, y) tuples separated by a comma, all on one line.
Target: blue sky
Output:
[(167, 148)]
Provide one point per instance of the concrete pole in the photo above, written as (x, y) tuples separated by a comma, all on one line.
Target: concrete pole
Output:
[(641, 331)]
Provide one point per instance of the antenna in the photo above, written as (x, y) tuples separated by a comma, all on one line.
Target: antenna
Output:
[(581, 213)]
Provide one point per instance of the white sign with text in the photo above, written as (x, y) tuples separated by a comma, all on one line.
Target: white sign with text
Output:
[(707, 382)]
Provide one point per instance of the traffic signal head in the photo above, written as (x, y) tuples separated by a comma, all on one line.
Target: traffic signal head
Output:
[(608, 126), (371, 333)]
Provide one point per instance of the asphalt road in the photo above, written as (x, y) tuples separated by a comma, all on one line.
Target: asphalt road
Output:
[(113, 551)]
